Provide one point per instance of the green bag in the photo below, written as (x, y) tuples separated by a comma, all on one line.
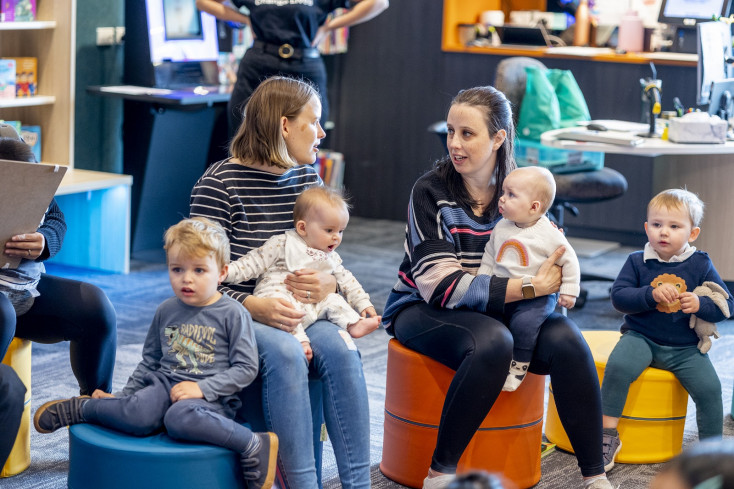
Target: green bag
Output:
[(552, 100), (570, 98), (539, 110)]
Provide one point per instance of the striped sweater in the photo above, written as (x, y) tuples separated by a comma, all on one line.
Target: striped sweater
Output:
[(252, 206), (444, 244)]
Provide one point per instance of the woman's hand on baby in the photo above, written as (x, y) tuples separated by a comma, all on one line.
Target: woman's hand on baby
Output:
[(310, 286), (548, 279), (100, 394), (186, 390), (29, 245), (278, 313)]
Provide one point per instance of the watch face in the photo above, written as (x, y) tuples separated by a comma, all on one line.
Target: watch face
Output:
[(528, 292)]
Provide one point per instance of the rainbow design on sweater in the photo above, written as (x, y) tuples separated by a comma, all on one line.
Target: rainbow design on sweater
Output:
[(517, 247)]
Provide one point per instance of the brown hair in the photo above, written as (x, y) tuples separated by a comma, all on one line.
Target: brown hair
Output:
[(198, 237), (679, 198), (498, 116), (313, 196), (259, 138)]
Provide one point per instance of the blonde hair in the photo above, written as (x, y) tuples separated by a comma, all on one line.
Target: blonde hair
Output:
[(317, 195), (543, 185), (259, 138), (677, 199), (198, 237)]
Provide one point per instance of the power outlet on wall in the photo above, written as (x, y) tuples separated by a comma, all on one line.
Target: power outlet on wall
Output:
[(108, 36), (105, 36)]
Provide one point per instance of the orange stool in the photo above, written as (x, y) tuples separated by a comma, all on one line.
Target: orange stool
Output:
[(507, 442), (19, 358), (652, 422)]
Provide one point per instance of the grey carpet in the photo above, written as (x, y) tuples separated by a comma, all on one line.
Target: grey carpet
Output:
[(372, 250)]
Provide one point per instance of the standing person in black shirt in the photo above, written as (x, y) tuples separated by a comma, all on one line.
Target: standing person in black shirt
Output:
[(286, 35)]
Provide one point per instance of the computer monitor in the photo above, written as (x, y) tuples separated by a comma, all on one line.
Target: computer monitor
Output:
[(684, 15), (689, 12), (714, 49), (178, 32), (169, 44)]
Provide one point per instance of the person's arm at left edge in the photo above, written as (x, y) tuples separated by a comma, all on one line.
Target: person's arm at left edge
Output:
[(45, 242), (362, 11)]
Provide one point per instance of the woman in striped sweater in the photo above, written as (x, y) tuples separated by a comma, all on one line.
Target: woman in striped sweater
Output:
[(441, 308), (252, 195)]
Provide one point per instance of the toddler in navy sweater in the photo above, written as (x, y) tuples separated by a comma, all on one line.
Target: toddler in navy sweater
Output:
[(655, 291)]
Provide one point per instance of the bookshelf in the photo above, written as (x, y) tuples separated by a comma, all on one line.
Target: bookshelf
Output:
[(52, 40), (96, 204)]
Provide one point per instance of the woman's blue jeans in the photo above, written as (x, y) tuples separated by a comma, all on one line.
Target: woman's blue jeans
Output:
[(287, 404)]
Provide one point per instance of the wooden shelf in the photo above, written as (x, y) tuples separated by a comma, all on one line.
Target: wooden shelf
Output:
[(28, 26), (457, 12), (52, 42), (604, 56), (27, 101), (76, 181)]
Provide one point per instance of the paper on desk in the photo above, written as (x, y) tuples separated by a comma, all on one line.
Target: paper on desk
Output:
[(26, 189), (622, 126), (579, 50), (135, 90), (623, 138)]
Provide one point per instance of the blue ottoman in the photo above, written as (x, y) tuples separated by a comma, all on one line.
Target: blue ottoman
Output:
[(102, 457)]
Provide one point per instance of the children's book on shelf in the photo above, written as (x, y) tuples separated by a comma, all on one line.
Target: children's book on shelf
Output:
[(7, 78), (335, 42), (26, 78), (17, 10), (16, 125), (32, 136), (330, 167)]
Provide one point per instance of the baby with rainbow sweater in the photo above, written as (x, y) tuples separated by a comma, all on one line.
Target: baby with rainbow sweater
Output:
[(518, 246)]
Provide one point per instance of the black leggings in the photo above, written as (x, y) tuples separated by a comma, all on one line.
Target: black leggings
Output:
[(74, 311), (479, 348)]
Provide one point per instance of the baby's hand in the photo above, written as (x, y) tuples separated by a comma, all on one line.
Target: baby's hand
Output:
[(567, 301), (307, 350), (100, 394), (667, 293), (689, 303), (186, 390)]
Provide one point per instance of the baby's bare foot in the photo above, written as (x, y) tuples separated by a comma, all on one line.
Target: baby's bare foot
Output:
[(364, 326)]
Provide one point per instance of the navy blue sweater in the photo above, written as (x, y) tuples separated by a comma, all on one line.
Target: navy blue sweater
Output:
[(632, 295)]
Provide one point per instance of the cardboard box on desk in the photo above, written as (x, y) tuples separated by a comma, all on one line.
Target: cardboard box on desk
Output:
[(697, 127)]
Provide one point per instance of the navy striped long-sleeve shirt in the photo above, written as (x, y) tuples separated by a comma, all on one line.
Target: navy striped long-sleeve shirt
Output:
[(444, 244), (252, 206)]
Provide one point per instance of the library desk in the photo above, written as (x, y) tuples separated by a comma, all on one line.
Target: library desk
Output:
[(706, 169), (167, 140)]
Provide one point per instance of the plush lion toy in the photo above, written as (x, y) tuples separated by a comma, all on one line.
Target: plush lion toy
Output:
[(705, 329)]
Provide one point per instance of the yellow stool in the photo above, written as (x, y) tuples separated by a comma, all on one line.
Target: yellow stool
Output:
[(19, 358), (652, 422)]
